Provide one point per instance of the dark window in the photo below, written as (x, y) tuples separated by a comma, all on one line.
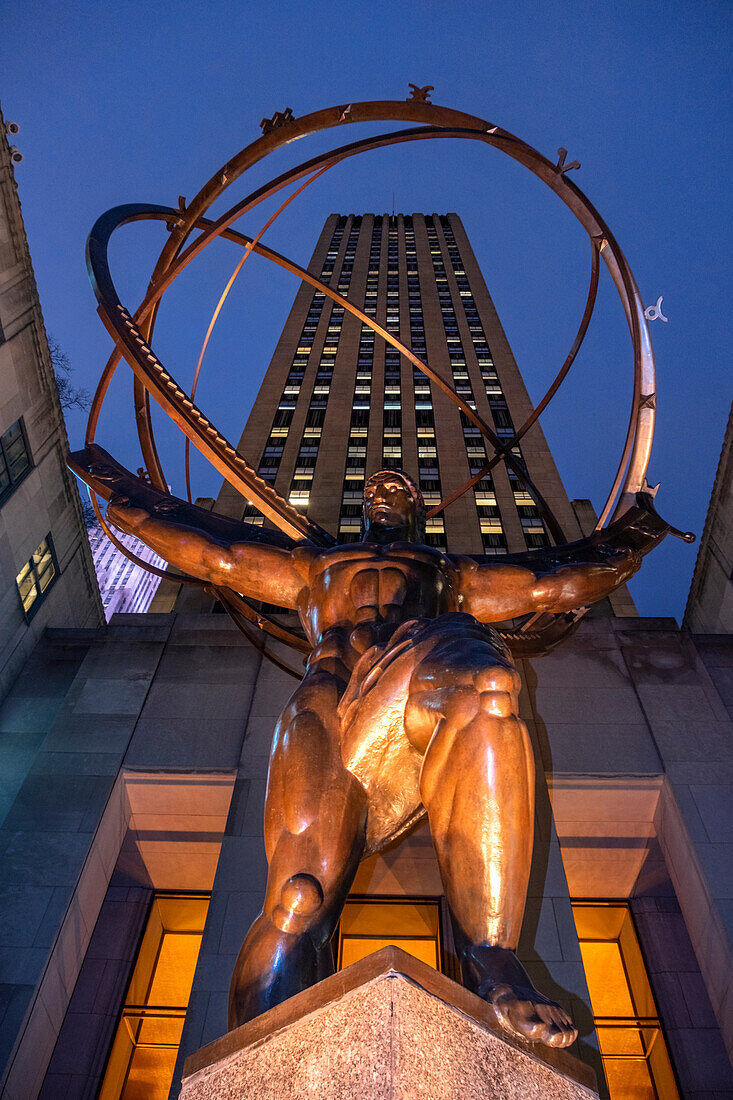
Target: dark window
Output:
[(15, 458), (491, 541), (37, 577)]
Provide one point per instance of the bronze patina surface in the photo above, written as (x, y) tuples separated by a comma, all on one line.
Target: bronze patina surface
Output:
[(408, 706), (133, 332)]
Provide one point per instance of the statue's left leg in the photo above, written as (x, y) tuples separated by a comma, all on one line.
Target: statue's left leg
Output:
[(477, 784)]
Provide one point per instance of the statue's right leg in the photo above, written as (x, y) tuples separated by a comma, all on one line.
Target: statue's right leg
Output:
[(315, 821)]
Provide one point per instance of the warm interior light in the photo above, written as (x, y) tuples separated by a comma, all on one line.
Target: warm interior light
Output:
[(145, 1047), (368, 924), (632, 1046)]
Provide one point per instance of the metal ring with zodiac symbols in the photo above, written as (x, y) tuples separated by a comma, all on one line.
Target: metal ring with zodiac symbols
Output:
[(191, 231)]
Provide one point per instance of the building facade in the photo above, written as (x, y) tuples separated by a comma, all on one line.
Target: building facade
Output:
[(46, 572), (418, 278), (710, 603), (132, 849), (124, 585)]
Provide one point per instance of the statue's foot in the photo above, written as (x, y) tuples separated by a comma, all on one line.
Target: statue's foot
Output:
[(497, 976), (523, 1011)]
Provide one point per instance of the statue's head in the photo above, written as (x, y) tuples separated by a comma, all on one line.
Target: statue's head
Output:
[(393, 507)]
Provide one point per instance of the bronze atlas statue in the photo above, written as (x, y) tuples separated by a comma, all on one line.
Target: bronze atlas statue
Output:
[(409, 701)]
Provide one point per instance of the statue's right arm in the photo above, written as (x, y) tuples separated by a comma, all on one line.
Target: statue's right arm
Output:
[(255, 569)]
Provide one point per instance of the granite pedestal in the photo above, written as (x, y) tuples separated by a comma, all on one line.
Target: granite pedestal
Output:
[(387, 1027)]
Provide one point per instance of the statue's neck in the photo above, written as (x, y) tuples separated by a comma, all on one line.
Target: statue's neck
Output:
[(382, 534)]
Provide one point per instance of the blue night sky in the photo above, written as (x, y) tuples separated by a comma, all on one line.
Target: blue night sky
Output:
[(138, 101)]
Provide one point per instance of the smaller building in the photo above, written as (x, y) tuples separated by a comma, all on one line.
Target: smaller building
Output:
[(710, 602), (123, 585), (46, 570)]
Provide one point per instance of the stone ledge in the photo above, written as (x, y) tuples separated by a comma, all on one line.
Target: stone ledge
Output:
[(388, 1026)]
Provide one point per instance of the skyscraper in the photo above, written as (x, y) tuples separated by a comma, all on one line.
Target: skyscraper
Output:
[(123, 585), (338, 403)]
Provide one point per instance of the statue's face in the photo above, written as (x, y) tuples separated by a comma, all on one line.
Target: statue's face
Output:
[(388, 502)]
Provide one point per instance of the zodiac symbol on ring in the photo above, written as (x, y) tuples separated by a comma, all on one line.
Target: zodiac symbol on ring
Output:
[(653, 313)]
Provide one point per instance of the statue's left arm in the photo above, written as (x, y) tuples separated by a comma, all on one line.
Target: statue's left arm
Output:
[(562, 578)]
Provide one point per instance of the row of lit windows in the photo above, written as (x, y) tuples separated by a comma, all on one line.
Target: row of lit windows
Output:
[(354, 475), (315, 416), (427, 449), (392, 410), (535, 533), (143, 1055), (275, 444), (302, 481), (493, 537)]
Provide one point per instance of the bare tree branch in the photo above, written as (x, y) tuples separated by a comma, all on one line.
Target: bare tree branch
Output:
[(70, 396)]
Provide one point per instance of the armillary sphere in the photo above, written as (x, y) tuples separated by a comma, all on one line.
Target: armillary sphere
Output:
[(190, 232)]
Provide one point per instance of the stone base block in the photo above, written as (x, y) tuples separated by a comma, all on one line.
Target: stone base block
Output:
[(386, 1027)]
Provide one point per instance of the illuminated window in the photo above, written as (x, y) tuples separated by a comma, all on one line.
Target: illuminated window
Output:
[(634, 1053), (148, 1035), (368, 924), (36, 577)]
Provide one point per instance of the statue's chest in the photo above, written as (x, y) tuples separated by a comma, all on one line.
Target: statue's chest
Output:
[(382, 590), (378, 588)]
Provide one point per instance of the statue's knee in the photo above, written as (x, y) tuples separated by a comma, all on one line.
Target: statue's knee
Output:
[(301, 900), (497, 678), (499, 704)]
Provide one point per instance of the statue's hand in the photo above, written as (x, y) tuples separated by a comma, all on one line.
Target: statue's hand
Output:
[(125, 515)]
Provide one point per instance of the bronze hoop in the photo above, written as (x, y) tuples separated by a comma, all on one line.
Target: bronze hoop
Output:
[(132, 334)]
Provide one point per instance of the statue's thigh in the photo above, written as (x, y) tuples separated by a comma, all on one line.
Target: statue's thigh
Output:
[(307, 783)]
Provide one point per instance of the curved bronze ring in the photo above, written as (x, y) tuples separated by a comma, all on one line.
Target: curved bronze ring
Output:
[(132, 336), (635, 455)]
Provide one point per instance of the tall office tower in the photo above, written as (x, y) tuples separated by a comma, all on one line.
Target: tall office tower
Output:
[(123, 585), (46, 571), (338, 403)]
